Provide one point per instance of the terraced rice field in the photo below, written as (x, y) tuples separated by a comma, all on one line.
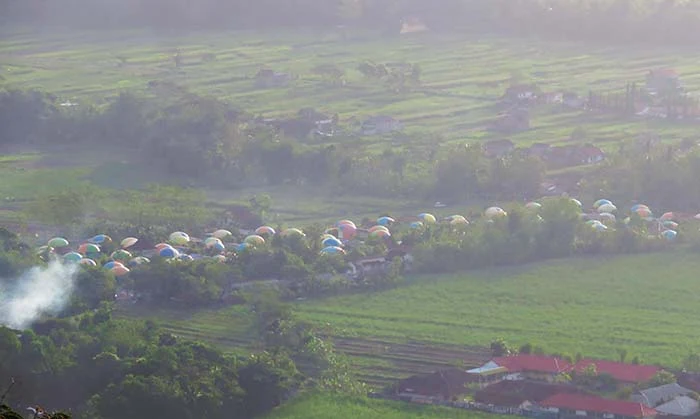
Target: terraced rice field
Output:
[(462, 77), (376, 362)]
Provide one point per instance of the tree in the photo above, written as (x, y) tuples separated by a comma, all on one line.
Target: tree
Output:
[(661, 378), (525, 349), (267, 378), (260, 204), (622, 353), (499, 347), (93, 286), (10, 348)]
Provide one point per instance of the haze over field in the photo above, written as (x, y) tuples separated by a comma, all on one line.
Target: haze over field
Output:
[(281, 209)]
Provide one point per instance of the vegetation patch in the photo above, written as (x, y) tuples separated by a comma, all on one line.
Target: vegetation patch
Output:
[(592, 306), (316, 406)]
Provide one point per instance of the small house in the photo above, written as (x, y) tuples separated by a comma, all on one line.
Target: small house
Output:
[(488, 374), (498, 148), (267, 78), (380, 125), (578, 406), (655, 396)]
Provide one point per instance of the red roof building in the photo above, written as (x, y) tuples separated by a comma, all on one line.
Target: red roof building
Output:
[(515, 393), (594, 406), (533, 363), (626, 373)]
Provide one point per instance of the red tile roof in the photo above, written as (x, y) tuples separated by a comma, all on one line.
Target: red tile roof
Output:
[(546, 364), (629, 373), (598, 405)]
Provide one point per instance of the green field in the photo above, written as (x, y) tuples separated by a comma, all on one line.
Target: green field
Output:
[(646, 304), (332, 407), (462, 77)]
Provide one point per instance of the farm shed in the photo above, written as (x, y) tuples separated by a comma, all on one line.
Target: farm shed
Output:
[(577, 406), (657, 395)]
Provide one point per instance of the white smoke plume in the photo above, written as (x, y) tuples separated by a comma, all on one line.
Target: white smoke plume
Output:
[(40, 291)]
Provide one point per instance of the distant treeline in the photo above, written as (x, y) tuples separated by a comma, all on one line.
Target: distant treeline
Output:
[(207, 141), (649, 21)]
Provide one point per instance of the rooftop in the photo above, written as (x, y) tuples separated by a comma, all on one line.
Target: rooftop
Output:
[(599, 405), (515, 393), (680, 406), (547, 364), (629, 373), (656, 395)]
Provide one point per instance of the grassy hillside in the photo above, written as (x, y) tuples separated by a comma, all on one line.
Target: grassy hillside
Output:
[(332, 407), (646, 304)]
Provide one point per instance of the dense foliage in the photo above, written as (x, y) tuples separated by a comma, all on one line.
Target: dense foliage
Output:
[(555, 231), (99, 367), (653, 21), (663, 176)]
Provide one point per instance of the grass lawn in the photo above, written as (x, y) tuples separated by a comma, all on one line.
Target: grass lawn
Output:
[(319, 406), (646, 304)]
